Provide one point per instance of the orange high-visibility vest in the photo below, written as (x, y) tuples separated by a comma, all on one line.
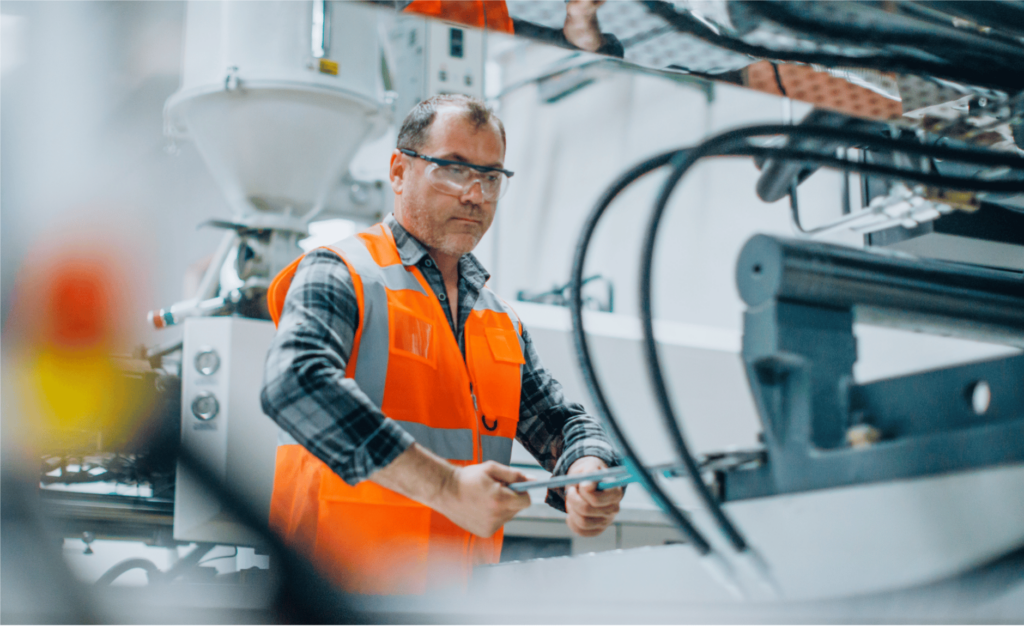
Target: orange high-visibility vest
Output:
[(490, 14), (367, 538)]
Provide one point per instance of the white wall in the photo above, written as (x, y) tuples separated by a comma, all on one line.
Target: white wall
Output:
[(83, 147), (567, 153)]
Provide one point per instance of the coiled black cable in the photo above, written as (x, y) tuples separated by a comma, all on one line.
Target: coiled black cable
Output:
[(733, 143), (153, 572), (586, 362), (970, 48), (971, 75)]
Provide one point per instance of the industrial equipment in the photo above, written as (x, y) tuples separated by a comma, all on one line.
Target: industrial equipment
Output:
[(820, 429), (921, 100)]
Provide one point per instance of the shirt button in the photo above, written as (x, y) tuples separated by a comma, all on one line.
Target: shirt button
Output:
[(442, 297), (429, 263)]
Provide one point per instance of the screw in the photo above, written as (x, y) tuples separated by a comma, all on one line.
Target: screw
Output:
[(862, 436)]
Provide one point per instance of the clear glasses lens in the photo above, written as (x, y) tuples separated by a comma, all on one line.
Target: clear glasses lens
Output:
[(457, 180)]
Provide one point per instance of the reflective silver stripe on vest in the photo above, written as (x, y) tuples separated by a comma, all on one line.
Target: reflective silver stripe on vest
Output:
[(372, 360), (489, 301), (455, 444), (497, 449), (396, 278)]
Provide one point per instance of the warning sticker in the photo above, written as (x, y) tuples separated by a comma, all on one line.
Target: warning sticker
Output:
[(328, 66)]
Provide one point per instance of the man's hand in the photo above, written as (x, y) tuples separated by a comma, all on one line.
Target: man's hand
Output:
[(590, 511), (581, 28), (476, 497)]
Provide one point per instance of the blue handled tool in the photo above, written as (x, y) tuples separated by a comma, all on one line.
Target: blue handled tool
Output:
[(619, 476), (605, 479)]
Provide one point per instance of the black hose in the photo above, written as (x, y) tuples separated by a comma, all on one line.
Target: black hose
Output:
[(680, 167), (963, 183), (733, 143), (153, 572), (794, 210), (686, 23), (586, 362), (939, 40)]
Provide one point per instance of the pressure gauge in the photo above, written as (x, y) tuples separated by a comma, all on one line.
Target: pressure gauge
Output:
[(207, 361), (205, 406)]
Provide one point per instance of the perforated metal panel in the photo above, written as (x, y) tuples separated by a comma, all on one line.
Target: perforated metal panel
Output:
[(820, 88), (647, 39)]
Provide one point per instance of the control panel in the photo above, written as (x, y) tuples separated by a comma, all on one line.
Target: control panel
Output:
[(222, 423), (436, 57)]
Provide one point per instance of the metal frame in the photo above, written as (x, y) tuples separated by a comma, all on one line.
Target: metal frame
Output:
[(799, 354)]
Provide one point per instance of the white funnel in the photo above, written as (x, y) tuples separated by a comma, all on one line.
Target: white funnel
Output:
[(275, 126)]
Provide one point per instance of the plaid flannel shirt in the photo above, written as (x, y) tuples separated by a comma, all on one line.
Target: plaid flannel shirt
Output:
[(305, 390)]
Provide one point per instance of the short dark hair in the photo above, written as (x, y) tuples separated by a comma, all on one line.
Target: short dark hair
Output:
[(415, 129)]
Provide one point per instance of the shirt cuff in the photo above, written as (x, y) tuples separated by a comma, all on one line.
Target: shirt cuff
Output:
[(379, 450)]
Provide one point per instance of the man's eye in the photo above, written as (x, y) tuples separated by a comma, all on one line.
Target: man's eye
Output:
[(457, 170), (491, 177)]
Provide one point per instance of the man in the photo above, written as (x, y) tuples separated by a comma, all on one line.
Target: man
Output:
[(400, 380)]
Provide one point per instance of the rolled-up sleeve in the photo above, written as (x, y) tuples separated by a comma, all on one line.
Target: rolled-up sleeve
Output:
[(304, 385), (555, 431)]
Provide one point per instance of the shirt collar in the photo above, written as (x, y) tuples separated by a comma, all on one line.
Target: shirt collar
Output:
[(412, 252)]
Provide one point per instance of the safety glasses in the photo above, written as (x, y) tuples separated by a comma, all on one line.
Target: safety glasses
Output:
[(457, 178)]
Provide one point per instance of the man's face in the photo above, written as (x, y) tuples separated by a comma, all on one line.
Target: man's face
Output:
[(449, 224)]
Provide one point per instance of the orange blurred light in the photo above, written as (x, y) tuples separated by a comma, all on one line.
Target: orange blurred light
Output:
[(69, 319)]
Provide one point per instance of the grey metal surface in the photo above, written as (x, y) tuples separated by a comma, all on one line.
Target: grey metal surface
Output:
[(821, 429), (839, 277), (109, 516)]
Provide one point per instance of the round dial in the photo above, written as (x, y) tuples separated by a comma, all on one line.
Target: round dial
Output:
[(205, 406), (207, 361)]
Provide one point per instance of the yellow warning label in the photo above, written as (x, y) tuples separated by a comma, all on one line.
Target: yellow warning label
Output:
[(328, 66)]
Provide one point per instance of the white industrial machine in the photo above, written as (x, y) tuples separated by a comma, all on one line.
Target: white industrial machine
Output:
[(278, 97), (223, 424)]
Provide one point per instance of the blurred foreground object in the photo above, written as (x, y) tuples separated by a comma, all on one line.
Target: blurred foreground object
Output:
[(71, 311)]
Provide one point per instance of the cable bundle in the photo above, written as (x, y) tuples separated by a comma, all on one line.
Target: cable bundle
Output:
[(737, 143)]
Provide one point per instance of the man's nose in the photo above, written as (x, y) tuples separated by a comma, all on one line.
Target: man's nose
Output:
[(474, 194)]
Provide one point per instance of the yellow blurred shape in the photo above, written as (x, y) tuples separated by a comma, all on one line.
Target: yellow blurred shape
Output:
[(80, 398)]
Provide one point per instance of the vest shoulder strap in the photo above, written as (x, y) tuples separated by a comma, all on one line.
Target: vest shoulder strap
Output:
[(489, 301), (279, 289), (364, 253)]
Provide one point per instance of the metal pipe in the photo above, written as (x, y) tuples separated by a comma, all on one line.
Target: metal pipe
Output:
[(210, 283), (893, 286)]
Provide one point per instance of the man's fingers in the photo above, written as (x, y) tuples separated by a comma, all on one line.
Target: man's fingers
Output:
[(504, 473), (607, 512), (591, 521), (588, 526), (577, 501), (589, 492), (522, 499)]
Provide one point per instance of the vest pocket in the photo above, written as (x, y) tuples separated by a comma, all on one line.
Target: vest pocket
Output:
[(412, 335), (504, 345)]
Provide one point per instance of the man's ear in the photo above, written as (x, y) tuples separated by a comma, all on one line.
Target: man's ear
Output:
[(397, 173)]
